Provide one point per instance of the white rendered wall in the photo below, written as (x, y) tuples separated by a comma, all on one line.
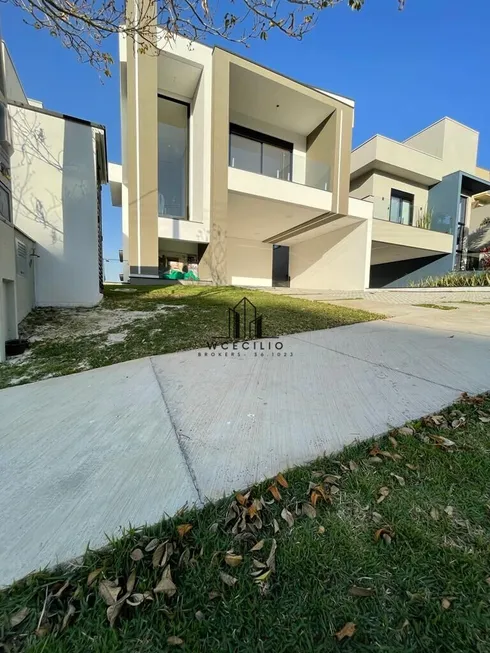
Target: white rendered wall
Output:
[(249, 262), (335, 261), (54, 190)]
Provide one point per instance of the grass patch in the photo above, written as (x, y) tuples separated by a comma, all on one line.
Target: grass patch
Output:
[(440, 307), (166, 319), (467, 301), (426, 590), (455, 280)]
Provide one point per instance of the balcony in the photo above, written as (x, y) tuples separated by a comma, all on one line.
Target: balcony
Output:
[(400, 223)]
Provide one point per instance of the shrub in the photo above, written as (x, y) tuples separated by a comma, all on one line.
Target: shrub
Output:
[(455, 280)]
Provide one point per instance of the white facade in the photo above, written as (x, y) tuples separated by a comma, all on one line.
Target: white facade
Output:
[(54, 194)]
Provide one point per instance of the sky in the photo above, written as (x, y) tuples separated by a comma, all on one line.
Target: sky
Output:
[(404, 69)]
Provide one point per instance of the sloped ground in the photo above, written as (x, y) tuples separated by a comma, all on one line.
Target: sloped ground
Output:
[(385, 547), (141, 321)]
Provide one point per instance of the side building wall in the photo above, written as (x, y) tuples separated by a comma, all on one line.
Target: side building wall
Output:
[(54, 201)]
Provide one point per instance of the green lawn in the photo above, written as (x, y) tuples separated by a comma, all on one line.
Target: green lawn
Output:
[(169, 319), (440, 307), (397, 549)]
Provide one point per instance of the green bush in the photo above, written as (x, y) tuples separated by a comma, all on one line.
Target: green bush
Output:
[(455, 280)]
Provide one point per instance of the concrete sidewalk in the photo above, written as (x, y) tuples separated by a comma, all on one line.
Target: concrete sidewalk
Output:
[(84, 455)]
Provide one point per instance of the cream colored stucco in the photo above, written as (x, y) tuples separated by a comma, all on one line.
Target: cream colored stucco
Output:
[(400, 234), (335, 261), (249, 262), (54, 201)]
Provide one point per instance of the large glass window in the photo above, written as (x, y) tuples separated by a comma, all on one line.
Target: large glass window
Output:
[(173, 158), (260, 153), (401, 207)]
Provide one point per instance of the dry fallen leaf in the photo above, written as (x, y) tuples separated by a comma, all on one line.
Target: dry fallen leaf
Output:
[(174, 641), (258, 546), (321, 530), (152, 545), (400, 479), (361, 591), (308, 510), (353, 466), (214, 595), (227, 579), (347, 631), (93, 575), (377, 517), (166, 585), (183, 529), (443, 442), (19, 617), (109, 591), (385, 534), (412, 467), (200, 615), (214, 527), (438, 420), (456, 423), (158, 554), (136, 555), (276, 526), (271, 560), (445, 604), (135, 599), (375, 460), (257, 564), (331, 479), (263, 577), (449, 510), (42, 631), (67, 617), (288, 517), (233, 560), (114, 610), (383, 493), (131, 582), (282, 481), (275, 492), (485, 419), (241, 498), (406, 430), (434, 513), (393, 441)]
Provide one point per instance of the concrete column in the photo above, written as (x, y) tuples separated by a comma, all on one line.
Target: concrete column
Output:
[(213, 264), (142, 149)]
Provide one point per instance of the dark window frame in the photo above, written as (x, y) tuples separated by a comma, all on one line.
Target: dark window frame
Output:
[(406, 197), (263, 139), (188, 171)]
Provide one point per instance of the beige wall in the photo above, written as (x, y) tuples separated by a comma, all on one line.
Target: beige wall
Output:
[(334, 261), (478, 235), (141, 165), (363, 187), (8, 321), (249, 262), (400, 234), (460, 148), (430, 140)]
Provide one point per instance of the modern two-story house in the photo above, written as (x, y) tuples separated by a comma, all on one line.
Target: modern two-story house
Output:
[(234, 173), (431, 203)]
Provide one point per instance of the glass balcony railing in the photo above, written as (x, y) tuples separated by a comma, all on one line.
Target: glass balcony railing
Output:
[(275, 160), (402, 211)]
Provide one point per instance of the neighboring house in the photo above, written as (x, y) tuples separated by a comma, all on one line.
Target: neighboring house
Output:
[(51, 170), (430, 202), (235, 173)]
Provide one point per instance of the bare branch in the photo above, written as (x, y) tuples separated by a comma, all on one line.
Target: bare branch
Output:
[(84, 25)]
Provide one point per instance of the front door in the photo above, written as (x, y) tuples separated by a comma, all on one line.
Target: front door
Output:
[(280, 265)]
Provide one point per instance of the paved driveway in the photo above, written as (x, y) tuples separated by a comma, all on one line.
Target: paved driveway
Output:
[(86, 455)]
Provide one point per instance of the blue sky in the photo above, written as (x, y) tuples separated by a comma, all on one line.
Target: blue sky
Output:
[(403, 69)]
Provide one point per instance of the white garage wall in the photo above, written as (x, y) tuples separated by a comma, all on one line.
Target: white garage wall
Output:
[(54, 190), (335, 261), (249, 262)]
